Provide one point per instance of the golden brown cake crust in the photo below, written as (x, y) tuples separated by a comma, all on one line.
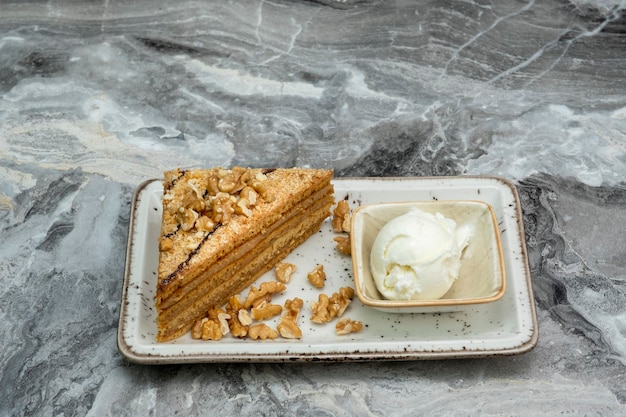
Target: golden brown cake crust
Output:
[(209, 214)]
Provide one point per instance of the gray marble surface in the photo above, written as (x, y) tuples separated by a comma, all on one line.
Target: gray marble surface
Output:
[(96, 97)]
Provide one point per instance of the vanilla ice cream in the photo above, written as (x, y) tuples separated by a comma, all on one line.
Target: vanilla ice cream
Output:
[(417, 256)]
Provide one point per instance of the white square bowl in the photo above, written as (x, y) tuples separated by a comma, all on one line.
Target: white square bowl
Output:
[(482, 277)]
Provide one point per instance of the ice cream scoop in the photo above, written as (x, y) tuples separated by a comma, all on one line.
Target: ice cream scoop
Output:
[(417, 256)]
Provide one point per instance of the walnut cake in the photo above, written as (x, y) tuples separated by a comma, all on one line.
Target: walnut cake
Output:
[(223, 228)]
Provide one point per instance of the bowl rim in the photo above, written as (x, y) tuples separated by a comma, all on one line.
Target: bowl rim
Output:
[(446, 302)]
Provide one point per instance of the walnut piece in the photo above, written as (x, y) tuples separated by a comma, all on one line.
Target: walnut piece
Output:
[(319, 310), (212, 327), (283, 271), (196, 330), (234, 304), (262, 331), (205, 224), (292, 308), (213, 313), (194, 202), (227, 180), (238, 326), (212, 187), (258, 184), (237, 329), (249, 194), (187, 218), (288, 326), (340, 301), (217, 197), (211, 330), (317, 277), (166, 244), (341, 217), (222, 208), (244, 317), (343, 244), (242, 206), (222, 319), (347, 325), (263, 293), (327, 308), (265, 310)]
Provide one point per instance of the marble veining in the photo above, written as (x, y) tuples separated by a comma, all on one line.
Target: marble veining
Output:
[(97, 97)]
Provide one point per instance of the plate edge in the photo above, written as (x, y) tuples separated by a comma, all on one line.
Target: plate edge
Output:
[(125, 348)]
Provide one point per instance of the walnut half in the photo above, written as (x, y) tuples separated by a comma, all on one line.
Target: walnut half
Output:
[(343, 244), (264, 293), (237, 323), (262, 331), (283, 271), (265, 310), (341, 217), (206, 329), (317, 277), (347, 325), (288, 326), (327, 308)]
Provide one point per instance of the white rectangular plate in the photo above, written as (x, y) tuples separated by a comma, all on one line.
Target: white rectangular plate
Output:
[(505, 327)]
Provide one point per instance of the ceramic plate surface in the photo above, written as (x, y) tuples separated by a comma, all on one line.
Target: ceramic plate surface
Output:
[(504, 327)]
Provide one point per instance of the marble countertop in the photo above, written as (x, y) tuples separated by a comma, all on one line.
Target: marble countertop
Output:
[(98, 97)]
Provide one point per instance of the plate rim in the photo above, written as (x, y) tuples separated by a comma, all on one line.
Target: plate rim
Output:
[(126, 348)]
